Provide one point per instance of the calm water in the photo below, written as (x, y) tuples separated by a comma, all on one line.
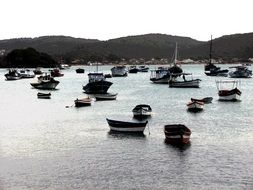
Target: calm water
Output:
[(44, 145)]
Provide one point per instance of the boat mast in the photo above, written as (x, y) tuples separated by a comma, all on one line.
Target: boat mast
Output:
[(175, 60), (210, 53)]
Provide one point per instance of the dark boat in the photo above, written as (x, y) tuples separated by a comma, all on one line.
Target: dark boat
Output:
[(206, 100), (44, 95), (133, 69), (56, 73), (107, 96), (97, 84), (177, 134), (108, 76), (128, 127), (142, 111), (13, 74), (143, 68), (80, 70), (83, 102), (213, 70)]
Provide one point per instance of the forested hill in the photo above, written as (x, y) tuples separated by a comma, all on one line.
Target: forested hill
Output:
[(141, 46)]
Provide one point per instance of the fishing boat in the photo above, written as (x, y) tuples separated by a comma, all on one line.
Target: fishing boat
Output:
[(142, 110), (241, 71), (123, 126), (180, 81), (213, 70), (83, 102), (231, 93), (143, 68), (44, 95), (26, 74), (12, 74), (119, 71), (80, 70), (97, 84), (206, 100), (107, 96), (45, 82), (163, 74), (56, 73), (37, 71), (133, 69), (177, 134), (195, 106)]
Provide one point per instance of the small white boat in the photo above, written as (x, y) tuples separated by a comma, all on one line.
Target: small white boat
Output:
[(107, 96), (26, 74), (160, 75), (142, 110), (195, 106), (226, 93), (180, 81)]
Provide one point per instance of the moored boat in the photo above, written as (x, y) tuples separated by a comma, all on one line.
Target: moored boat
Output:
[(143, 68), (13, 74), (228, 93), (80, 70), (83, 102), (26, 74), (97, 84), (56, 73), (180, 81), (45, 82), (206, 100), (177, 134), (119, 71), (37, 71), (240, 71), (129, 127), (107, 96), (133, 69), (160, 75), (142, 110), (195, 106), (44, 95)]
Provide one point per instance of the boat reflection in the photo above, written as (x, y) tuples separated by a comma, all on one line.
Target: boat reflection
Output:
[(180, 147), (120, 135)]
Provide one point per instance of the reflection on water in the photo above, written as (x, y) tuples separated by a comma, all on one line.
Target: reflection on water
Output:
[(180, 147), (128, 135)]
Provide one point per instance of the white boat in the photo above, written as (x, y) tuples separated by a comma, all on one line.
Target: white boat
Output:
[(160, 75), (26, 74), (107, 96), (183, 81), (119, 71), (45, 82), (195, 106), (241, 71), (142, 110), (228, 90)]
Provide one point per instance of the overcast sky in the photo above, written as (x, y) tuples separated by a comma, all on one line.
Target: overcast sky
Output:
[(107, 19)]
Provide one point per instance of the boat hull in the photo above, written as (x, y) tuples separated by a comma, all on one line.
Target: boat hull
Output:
[(184, 84), (45, 85), (104, 97), (195, 106), (129, 127), (44, 95), (229, 95), (82, 102), (177, 134), (97, 87)]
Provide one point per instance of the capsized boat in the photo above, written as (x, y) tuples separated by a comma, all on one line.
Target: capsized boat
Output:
[(129, 127), (142, 110), (228, 93), (45, 82), (177, 134)]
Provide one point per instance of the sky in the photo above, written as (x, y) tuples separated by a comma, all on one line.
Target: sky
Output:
[(107, 19)]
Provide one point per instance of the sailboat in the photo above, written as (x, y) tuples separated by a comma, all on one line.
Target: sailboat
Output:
[(211, 69), (163, 74)]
